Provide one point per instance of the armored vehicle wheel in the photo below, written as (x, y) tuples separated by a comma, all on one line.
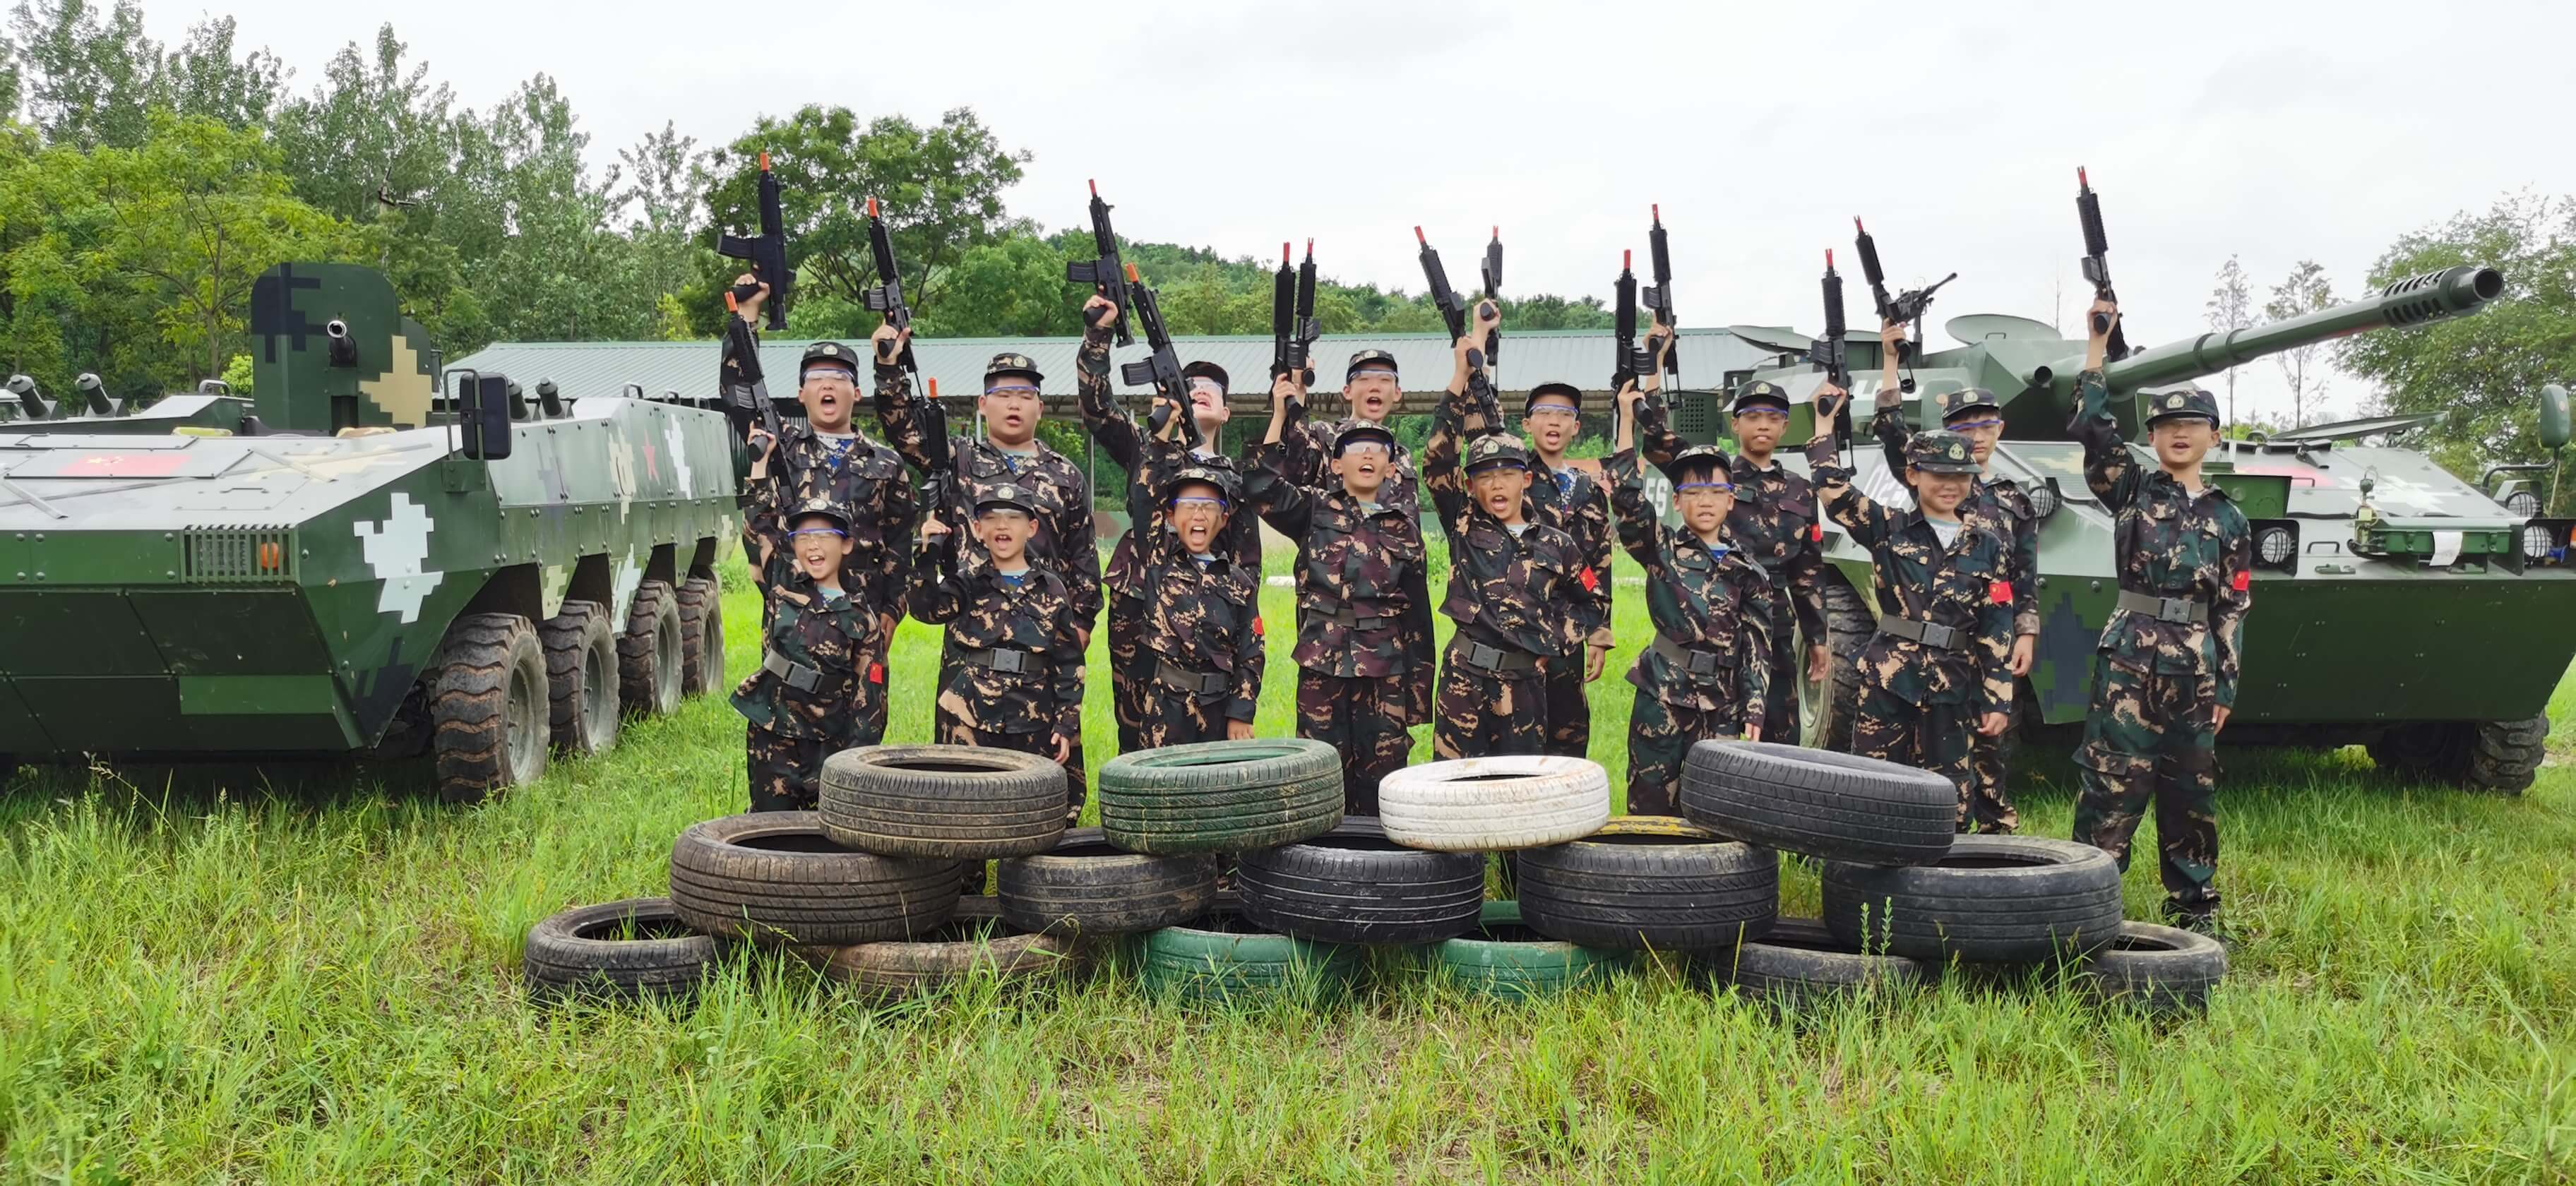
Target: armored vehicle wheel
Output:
[(650, 659), (1825, 710), (581, 678), (701, 637), (2501, 756), (488, 706)]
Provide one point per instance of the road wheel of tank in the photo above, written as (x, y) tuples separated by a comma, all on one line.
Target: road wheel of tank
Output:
[(581, 678), (650, 659), (487, 706), (1825, 710), (701, 637), (2504, 756), (2435, 746)]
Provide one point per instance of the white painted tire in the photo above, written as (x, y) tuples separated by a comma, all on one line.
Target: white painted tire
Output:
[(1494, 804)]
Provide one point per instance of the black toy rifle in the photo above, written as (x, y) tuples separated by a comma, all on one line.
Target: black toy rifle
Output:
[(746, 399), (1832, 353), (1293, 328), (1628, 361), (2097, 264), (1659, 298), (1454, 312), (939, 494), (1906, 307), (766, 251), (1105, 273), (1160, 369), (1492, 274)]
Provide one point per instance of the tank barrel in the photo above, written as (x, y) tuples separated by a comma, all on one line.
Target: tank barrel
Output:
[(2429, 297)]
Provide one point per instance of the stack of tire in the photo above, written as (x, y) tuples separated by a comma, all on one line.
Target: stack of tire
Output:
[(1905, 895)]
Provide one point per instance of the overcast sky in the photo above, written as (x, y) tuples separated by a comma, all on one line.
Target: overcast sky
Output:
[(2272, 130)]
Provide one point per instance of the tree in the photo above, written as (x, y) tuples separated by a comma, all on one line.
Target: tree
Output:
[(659, 204), (202, 77), (1012, 288), (2482, 374), (89, 81), (559, 272), (2230, 308), (2306, 290)]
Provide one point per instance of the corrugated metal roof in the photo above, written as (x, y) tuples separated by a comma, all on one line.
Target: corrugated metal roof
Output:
[(1528, 358)]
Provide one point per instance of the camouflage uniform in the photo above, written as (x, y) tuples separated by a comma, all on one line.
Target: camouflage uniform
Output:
[(1707, 669), (1919, 701), (1150, 461), (2158, 676), (1363, 654), (1573, 501), (1518, 599), (1775, 525), (1201, 628), (2001, 506), (1010, 666), (1309, 449), (819, 689), (1064, 541)]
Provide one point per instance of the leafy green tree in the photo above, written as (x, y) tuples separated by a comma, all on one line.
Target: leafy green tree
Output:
[(1014, 287), (202, 77), (2230, 308), (2305, 290), (90, 76)]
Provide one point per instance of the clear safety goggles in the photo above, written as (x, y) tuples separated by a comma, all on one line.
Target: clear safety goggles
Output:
[(1012, 389)]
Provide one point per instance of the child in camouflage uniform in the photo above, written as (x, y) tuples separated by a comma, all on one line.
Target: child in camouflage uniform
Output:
[(1705, 674), (1571, 498), (817, 678), (1199, 641), (1011, 664)]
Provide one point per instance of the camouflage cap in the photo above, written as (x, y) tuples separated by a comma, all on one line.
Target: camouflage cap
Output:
[(1700, 457), (2183, 401), (1496, 449), (1009, 363), (1006, 494), (1223, 480), (1208, 370), (1946, 404), (1362, 430), (1572, 394), (827, 354), (825, 507), (1370, 359), (1760, 393), (1940, 451)]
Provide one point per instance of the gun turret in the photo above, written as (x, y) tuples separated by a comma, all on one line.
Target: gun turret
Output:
[(94, 395), (31, 402)]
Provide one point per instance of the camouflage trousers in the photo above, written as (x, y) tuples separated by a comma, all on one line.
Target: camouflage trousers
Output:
[(1660, 737), (1780, 701), (786, 772), (947, 729), (1176, 718), (1569, 711), (1482, 714), (2149, 737), (1363, 717), (1931, 737), (1988, 808), (1128, 694)]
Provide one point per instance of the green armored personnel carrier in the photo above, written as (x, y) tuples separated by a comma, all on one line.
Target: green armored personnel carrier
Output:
[(352, 561), (2396, 606)]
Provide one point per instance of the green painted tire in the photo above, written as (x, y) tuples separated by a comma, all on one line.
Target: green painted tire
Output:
[(1220, 796), (1503, 958), (1221, 957)]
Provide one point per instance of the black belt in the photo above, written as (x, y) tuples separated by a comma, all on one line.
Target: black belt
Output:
[(793, 674), (1692, 661), (1492, 658), (1005, 659), (1348, 617), (1192, 683), (1930, 634), (2165, 609)]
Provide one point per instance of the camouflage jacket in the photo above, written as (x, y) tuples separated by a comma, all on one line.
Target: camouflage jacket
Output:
[(1363, 587), (1523, 591), (1572, 501), (1202, 617), (1961, 587), (1149, 461), (1774, 522), (738, 372), (1708, 600), (867, 480), (2168, 542), (1065, 541), (985, 611), (1999, 505), (830, 638), (1309, 448)]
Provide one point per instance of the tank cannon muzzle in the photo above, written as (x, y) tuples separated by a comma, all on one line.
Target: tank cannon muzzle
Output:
[(2451, 292)]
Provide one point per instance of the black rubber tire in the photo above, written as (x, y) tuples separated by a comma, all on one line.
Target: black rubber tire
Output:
[(581, 678), (975, 940), (1502, 957), (945, 802), (2156, 969), (578, 952), (774, 876), (1220, 796), (1825, 712), (1353, 885), (487, 706), (1818, 802), (2006, 898), (649, 656), (1084, 886), (701, 637), (2504, 756), (1222, 957), (1800, 961), (1650, 883)]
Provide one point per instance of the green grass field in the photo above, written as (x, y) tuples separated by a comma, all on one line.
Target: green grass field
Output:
[(313, 976)]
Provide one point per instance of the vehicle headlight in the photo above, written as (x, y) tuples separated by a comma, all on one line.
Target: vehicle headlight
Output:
[(2536, 540), (2275, 545), (2523, 503), (2043, 500)]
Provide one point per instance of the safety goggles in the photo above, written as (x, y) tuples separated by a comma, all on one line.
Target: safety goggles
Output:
[(1541, 411), (1012, 389), (1704, 488), (1973, 425), (1376, 447), (1198, 500), (834, 532), (1370, 376), (1210, 386), (828, 374)]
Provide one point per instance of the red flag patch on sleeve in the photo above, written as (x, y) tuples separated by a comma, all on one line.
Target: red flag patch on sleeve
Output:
[(2244, 580), (1256, 627), (1999, 592), (1591, 580), (1816, 532), (876, 673)]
